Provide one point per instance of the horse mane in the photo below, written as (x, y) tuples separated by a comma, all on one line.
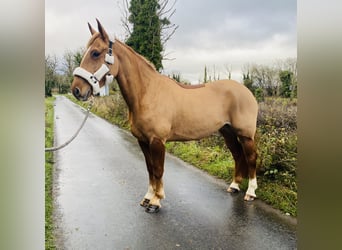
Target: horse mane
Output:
[(149, 64)]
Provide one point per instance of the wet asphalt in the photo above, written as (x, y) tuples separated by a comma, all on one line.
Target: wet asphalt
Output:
[(101, 177)]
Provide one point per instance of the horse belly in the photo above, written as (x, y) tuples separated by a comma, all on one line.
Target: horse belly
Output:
[(189, 135), (195, 128)]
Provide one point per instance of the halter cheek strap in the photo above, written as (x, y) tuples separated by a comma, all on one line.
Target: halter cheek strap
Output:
[(94, 79)]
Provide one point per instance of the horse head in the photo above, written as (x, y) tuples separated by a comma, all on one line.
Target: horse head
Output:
[(98, 67)]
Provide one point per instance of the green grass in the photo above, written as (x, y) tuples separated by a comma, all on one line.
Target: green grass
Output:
[(217, 161), (214, 160), (49, 226), (278, 196)]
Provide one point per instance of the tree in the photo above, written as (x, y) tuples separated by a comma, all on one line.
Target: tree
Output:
[(247, 81), (176, 77), (228, 68), (149, 28), (71, 60), (50, 74), (290, 65), (286, 83), (205, 80), (68, 65), (266, 78), (280, 79), (208, 76)]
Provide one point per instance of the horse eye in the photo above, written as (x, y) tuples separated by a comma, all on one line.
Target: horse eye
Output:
[(95, 54)]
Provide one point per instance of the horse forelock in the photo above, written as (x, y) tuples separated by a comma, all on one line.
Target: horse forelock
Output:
[(92, 39)]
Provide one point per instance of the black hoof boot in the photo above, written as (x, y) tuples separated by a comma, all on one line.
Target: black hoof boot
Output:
[(152, 209), (145, 203)]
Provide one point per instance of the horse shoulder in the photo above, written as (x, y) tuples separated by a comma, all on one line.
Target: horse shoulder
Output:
[(148, 124)]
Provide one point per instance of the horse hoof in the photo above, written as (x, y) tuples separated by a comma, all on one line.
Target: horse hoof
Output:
[(152, 209), (232, 190), (249, 198), (145, 202)]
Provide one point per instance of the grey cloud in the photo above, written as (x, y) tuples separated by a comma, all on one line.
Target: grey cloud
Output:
[(235, 23)]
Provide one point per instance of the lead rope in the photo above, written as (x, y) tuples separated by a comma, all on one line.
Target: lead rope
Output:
[(74, 136)]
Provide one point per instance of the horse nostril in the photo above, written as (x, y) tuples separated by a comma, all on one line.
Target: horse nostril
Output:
[(77, 92)]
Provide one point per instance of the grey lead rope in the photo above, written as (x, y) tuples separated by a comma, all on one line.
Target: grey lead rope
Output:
[(74, 136)]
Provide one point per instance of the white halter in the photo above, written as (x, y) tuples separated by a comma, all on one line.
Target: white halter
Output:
[(94, 79)]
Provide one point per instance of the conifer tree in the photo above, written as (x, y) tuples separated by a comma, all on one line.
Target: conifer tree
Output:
[(148, 22), (145, 38)]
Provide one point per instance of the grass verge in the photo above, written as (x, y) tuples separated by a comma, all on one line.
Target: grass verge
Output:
[(218, 162), (49, 114)]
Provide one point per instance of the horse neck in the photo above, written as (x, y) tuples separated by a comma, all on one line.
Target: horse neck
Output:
[(133, 75)]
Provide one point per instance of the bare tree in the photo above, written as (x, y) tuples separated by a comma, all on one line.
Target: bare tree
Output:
[(266, 78), (228, 70), (51, 64), (51, 79), (124, 9), (68, 64), (165, 13), (71, 60)]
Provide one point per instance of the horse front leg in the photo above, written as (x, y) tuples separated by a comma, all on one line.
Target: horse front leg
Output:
[(154, 156), (157, 150), (145, 148)]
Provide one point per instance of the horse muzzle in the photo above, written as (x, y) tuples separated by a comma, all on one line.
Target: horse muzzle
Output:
[(82, 91)]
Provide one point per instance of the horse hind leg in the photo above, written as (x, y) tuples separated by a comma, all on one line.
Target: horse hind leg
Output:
[(250, 153), (241, 166)]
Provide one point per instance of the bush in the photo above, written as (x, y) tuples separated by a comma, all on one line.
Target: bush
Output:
[(278, 113), (113, 108), (259, 94), (277, 141)]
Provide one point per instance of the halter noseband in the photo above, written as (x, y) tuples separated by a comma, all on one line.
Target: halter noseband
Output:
[(94, 78)]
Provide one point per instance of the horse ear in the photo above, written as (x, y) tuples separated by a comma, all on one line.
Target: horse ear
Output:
[(92, 31), (103, 33)]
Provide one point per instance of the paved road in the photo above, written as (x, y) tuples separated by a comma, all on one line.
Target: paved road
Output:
[(101, 177)]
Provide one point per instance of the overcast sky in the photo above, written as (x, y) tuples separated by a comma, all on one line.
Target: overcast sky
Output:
[(211, 32)]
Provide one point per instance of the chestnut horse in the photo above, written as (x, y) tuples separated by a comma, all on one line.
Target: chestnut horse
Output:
[(162, 110)]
